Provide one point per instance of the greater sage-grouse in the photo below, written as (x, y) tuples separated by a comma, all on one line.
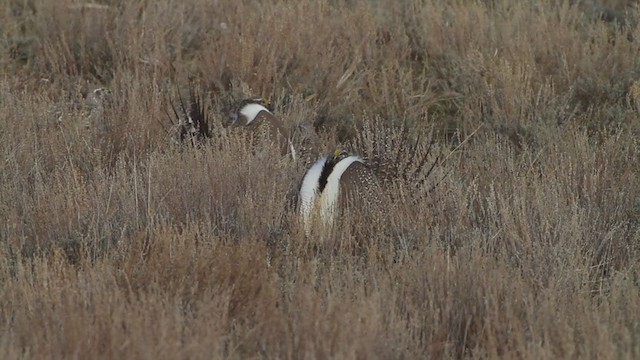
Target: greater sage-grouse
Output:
[(396, 168), (336, 182), (255, 115)]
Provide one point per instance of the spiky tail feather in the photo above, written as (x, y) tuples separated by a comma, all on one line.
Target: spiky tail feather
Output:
[(189, 121), (401, 158)]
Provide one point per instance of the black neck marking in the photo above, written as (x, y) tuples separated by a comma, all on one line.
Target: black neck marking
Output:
[(329, 164)]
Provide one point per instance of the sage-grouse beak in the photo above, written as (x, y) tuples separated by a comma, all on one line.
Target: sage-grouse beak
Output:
[(339, 155)]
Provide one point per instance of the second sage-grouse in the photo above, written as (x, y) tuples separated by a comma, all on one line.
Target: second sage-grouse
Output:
[(255, 115)]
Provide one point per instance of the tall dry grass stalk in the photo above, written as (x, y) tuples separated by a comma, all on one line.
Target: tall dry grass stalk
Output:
[(115, 242)]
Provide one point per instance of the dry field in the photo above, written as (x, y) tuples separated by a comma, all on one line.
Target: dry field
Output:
[(116, 242)]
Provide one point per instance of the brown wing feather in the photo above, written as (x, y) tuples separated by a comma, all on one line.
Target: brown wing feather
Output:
[(269, 128), (359, 187)]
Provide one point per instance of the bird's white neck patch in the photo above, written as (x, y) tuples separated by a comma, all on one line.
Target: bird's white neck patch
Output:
[(309, 189), (250, 111), (329, 196)]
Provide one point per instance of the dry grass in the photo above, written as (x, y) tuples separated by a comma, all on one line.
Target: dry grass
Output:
[(117, 243)]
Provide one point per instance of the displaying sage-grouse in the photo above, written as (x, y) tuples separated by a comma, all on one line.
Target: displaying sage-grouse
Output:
[(335, 182), (396, 168), (256, 116)]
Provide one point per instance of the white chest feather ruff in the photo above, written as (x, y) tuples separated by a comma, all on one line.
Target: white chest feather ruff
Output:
[(328, 199), (309, 189), (250, 111)]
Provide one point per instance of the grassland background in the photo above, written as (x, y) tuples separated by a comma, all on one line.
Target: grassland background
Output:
[(116, 243)]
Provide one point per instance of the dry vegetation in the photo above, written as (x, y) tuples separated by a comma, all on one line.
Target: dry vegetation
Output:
[(117, 243)]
